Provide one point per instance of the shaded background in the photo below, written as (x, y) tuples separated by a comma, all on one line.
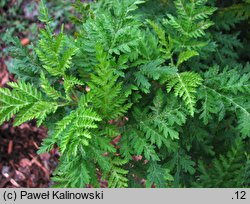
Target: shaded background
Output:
[(20, 166)]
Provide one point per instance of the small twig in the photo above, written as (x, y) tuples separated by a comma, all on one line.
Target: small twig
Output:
[(10, 147), (36, 162), (34, 143), (9, 179)]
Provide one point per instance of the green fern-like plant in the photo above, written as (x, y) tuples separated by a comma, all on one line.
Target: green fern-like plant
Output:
[(141, 95)]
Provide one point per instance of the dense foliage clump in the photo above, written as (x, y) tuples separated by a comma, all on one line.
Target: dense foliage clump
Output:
[(154, 90)]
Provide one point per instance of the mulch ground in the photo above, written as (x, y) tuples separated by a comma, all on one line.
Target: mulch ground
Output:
[(20, 166)]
